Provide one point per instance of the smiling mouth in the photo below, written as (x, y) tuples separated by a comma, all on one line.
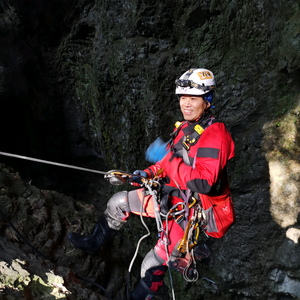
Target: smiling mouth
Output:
[(188, 111)]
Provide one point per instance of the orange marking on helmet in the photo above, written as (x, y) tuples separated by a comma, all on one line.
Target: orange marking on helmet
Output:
[(205, 75)]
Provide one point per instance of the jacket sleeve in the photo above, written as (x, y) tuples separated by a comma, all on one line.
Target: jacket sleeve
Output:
[(152, 170), (214, 149)]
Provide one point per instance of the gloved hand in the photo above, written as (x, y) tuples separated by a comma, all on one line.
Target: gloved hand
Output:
[(156, 151), (136, 180)]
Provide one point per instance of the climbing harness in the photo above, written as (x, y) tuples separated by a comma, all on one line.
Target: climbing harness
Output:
[(189, 139), (180, 211), (186, 263), (193, 138), (188, 245), (188, 248)]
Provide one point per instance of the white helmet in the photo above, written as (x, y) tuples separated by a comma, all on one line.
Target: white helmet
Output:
[(195, 82)]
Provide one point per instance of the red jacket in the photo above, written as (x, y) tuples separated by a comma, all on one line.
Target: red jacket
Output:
[(207, 173)]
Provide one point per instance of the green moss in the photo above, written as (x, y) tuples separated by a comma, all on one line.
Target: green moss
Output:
[(283, 104), (39, 287)]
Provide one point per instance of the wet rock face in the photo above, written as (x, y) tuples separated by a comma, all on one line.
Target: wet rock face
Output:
[(37, 219), (92, 83)]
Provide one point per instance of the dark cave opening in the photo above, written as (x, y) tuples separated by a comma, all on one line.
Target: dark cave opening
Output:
[(33, 115), (44, 137)]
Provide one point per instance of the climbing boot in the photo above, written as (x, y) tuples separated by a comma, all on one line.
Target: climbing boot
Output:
[(91, 244), (142, 292)]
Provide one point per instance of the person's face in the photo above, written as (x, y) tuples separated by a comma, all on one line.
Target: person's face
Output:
[(192, 107)]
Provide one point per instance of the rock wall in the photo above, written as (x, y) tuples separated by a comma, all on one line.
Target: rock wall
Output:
[(95, 81)]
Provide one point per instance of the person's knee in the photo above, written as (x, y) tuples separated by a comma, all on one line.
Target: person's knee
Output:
[(117, 208), (151, 260), (153, 271)]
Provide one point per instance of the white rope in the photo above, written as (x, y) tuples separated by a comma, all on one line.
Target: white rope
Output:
[(52, 163), (167, 252), (143, 237)]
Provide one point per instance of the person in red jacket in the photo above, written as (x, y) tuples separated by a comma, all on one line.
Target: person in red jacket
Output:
[(192, 165)]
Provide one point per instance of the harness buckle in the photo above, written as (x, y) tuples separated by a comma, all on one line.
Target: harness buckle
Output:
[(177, 124), (186, 146), (199, 129)]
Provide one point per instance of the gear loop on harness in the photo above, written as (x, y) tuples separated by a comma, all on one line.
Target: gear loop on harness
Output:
[(185, 261), (181, 211)]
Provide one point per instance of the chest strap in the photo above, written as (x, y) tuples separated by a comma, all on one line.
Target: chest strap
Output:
[(174, 134), (190, 139)]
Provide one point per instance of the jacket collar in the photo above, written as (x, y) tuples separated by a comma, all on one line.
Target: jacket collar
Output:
[(203, 121)]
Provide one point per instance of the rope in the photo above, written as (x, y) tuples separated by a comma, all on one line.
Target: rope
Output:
[(138, 244), (167, 251), (52, 163)]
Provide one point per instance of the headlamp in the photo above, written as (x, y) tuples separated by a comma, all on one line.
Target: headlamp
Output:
[(192, 84), (183, 82)]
